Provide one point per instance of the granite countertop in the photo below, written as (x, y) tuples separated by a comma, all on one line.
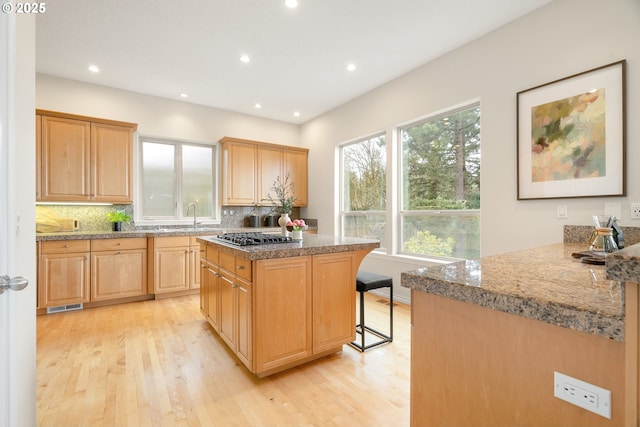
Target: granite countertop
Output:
[(163, 232), (545, 284), (311, 244)]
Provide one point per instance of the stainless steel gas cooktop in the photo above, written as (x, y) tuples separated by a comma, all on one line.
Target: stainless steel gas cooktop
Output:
[(253, 238)]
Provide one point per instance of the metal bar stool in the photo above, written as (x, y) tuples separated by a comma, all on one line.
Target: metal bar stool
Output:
[(366, 281)]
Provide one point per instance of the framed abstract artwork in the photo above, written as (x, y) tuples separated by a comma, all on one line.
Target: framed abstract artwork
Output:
[(571, 136)]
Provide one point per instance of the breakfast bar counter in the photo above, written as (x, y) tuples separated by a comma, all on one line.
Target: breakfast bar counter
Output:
[(489, 334)]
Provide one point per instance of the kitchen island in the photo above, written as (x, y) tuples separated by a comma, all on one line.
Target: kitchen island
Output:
[(280, 305), (488, 335)]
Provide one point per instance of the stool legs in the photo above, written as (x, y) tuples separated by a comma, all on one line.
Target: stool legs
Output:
[(361, 328)]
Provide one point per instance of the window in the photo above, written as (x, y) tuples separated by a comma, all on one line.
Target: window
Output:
[(440, 200), (174, 174), (364, 188)]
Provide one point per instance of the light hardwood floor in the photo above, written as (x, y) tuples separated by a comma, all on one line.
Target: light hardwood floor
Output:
[(158, 363)]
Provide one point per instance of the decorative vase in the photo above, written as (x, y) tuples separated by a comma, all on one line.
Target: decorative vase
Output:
[(117, 226), (296, 235), (284, 219)]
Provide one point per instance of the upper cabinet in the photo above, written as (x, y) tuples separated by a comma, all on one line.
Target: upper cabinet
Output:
[(249, 169), (83, 159)]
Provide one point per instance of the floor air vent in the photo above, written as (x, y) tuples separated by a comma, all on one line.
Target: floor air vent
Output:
[(61, 308)]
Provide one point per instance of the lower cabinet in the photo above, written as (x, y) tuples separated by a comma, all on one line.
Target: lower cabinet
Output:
[(175, 266), (84, 271), (118, 268), (64, 273), (283, 309)]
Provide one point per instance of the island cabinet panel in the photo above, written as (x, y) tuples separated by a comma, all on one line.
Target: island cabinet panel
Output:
[(228, 300), (283, 312), (244, 334), (333, 300), (472, 365)]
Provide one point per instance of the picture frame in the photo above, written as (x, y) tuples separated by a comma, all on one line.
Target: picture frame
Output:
[(571, 136)]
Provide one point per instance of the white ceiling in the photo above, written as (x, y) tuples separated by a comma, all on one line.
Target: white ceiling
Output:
[(298, 56)]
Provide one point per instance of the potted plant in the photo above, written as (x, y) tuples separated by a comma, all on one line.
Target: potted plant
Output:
[(284, 197), (117, 218)]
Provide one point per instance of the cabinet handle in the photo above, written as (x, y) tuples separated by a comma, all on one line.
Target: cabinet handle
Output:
[(240, 267), (118, 244), (65, 246), (233, 285)]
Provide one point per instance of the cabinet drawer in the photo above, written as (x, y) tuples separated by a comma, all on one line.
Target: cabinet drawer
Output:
[(119, 244), (171, 242), (65, 246), (243, 268), (227, 261), (211, 254)]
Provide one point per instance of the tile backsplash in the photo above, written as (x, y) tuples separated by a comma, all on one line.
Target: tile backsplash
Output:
[(93, 218)]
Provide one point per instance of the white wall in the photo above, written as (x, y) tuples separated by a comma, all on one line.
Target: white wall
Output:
[(560, 39), (157, 116)]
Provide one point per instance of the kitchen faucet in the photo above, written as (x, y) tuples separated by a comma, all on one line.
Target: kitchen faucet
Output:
[(189, 206)]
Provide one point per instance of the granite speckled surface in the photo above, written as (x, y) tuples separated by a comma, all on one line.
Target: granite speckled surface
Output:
[(624, 265), (311, 244), (545, 284)]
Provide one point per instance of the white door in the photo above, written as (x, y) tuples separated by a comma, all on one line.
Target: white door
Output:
[(17, 219)]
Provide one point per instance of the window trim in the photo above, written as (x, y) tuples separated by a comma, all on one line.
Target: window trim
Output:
[(181, 219)]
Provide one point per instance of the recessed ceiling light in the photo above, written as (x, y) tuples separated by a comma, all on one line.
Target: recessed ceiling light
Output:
[(291, 3), (245, 58), (258, 106), (94, 68), (296, 113), (351, 67), (184, 95)]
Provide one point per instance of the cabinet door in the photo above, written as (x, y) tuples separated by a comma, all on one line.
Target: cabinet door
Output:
[(194, 264), (63, 279), (239, 173), (227, 295), (171, 269), (282, 309), (244, 316), (334, 290), (118, 274), (38, 157), (112, 163), (65, 159), (212, 282), (296, 165), (269, 169)]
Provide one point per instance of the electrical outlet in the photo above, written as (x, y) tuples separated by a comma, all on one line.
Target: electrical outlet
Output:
[(582, 394), (635, 210)]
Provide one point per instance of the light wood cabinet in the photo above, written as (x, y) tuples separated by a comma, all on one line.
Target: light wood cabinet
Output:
[(176, 264), (333, 300), (249, 169), (64, 273), (283, 312), (296, 165), (239, 172), (229, 301), (118, 268), (83, 159)]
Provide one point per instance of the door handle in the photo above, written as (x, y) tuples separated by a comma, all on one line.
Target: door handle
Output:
[(17, 283)]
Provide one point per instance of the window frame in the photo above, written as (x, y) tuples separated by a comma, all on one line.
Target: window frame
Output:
[(402, 213), (342, 213), (180, 218)]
